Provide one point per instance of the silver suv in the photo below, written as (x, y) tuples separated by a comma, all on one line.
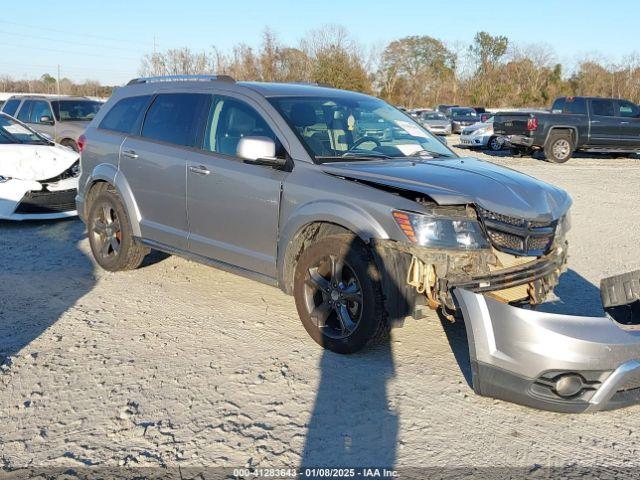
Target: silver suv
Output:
[(62, 118), (335, 197)]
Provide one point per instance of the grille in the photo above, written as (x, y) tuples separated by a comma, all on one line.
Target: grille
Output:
[(517, 235), (507, 240), (45, 201)]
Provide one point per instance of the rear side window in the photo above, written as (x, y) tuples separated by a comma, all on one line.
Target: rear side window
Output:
[(176, 118), (125, 114), (25, 111), (602, 107), (558, 105), (627, 109), (11, 106), (575, 106)]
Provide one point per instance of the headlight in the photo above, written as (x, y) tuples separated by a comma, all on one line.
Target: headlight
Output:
[(432, 231), (75, 169), (4, 179)]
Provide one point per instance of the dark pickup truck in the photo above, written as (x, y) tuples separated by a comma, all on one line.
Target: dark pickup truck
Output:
[(574, 123)]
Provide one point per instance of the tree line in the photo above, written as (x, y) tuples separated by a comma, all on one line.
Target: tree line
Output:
[(49, 85), (415, 71)]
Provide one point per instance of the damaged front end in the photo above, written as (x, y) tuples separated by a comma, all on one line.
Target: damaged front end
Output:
[(557, 362), (520, 263)]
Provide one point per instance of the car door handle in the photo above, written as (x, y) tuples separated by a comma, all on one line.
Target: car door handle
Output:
[(624, 123), (595, 121), (199, 170), (130, 153)]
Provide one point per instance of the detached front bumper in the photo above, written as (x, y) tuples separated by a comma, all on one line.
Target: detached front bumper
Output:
[(549, 361)]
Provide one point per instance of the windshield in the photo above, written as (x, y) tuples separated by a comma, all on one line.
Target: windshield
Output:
[(463, 112), (433, 116), (75, 110), (12, 131), (356, 127)]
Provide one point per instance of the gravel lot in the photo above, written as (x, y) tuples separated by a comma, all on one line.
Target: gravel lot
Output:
[(178, 364)]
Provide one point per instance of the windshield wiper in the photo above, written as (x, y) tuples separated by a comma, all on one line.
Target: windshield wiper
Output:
[(429, 153), (349, 156)]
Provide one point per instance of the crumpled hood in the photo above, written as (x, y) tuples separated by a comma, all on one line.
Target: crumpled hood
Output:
[(458, 181), (35, 162)]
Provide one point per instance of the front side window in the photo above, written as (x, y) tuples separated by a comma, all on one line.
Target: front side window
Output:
[(229, 121), (602, 107), (627, 109), (176, 118), (39, 109), (352, 126), (124, 116), (75, 110), (11, 106)]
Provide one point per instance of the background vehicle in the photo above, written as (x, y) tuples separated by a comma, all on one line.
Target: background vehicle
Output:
[(480, 135), (483, 113), (436, 122), (574, 124), (334, 196), (443, 108), (63, 118), (38, 179), (461, 117)]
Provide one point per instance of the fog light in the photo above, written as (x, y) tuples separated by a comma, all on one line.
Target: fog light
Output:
[(569, 385)]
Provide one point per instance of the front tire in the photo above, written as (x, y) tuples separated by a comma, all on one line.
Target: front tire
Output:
[(338, 294), (110, 235), (559, 147)]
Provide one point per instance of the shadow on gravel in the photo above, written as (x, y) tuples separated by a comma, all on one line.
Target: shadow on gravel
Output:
[(353, 423), (43, 273), (575, 296)]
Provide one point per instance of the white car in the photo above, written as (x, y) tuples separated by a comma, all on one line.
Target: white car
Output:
[(480, 135), (38, 178)]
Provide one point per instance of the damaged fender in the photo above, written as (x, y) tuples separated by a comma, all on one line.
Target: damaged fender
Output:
[(549, 361)]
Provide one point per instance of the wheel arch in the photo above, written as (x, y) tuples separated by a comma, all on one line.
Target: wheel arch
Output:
[(573, 130), (310, 225), (108, 173)]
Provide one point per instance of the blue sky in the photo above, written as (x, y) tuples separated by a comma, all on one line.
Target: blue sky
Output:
[(105, 40)]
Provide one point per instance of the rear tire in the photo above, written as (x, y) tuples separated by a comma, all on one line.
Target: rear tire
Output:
[(559, 147), (338, 294), (110, 235)]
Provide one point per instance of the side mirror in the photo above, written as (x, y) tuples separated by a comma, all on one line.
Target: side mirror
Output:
[(46, 119), (259, 151)]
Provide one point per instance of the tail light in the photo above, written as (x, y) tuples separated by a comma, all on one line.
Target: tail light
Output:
[(82, 141), (532, 124)]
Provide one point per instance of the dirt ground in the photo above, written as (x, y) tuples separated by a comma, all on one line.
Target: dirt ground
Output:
[(179, 364)]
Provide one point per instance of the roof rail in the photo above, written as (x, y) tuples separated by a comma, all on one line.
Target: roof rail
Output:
[(183, 78)]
